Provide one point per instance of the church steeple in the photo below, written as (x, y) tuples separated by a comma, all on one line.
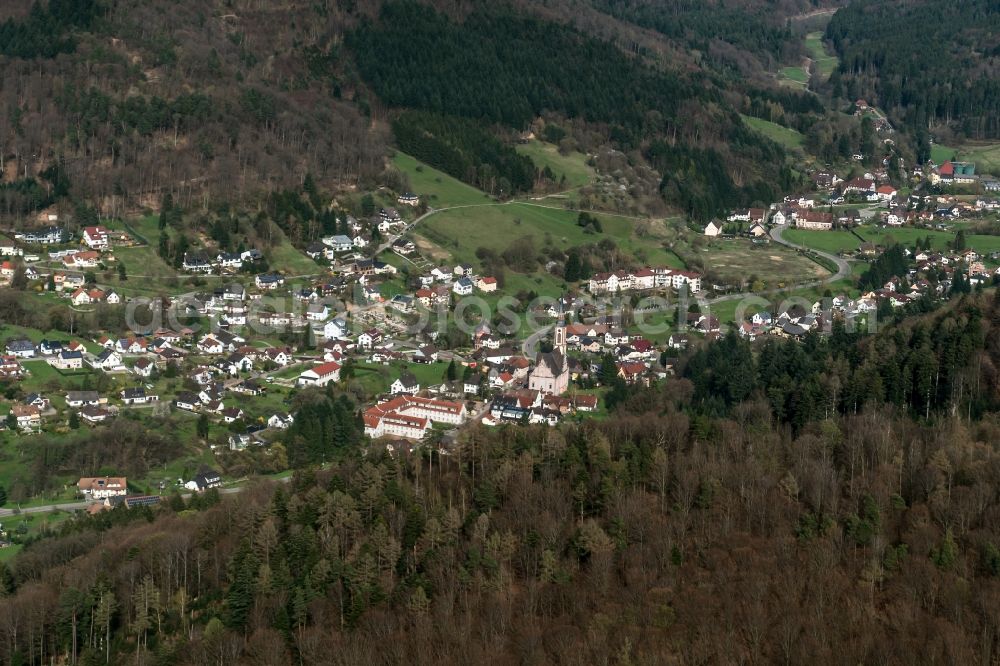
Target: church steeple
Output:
[(559, 342)]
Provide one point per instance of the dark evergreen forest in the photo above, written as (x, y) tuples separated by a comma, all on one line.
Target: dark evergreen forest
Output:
[(496, 67), (926, 63)]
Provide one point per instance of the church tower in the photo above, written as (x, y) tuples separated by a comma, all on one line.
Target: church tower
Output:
[(559, 343)]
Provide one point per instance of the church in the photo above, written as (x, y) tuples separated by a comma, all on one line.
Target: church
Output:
[(551, 373)]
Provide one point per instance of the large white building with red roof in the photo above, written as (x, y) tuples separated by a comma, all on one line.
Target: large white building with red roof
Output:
[(643, 279), (411, 416)]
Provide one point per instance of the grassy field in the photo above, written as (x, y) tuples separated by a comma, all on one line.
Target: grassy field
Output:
[(27, 525), (461, 232), (825, 241), (939, 239), (285, 258), (941, 153), (726, 310), (143, 266), (774, 265), (573, 166), (376, 378), (788, 138), (985, 155), (146, 269), (439, 188), (796, 76), (825, 62), (455, 235)]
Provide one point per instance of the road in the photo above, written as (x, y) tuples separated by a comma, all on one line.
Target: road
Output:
[(843, 271), (77, 506), (843, 268), (531, 342)]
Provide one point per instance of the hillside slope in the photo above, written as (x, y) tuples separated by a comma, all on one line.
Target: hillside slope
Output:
[(928, 64), (116, 103)]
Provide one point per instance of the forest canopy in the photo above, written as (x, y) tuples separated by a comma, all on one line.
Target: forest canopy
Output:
[(925, 63)]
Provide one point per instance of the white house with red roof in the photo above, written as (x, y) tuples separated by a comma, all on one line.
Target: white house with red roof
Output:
[(86, 296), (96, 238), (886, 192), (320, 375)]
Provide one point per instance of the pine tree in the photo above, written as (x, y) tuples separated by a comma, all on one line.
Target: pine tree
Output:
[(203, 427), (163, 249), (452, 372), (609, 370), (573, 270), (168, 203), (959, 244)]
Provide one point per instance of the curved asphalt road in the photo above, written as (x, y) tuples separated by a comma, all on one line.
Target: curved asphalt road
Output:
[(843, 268)]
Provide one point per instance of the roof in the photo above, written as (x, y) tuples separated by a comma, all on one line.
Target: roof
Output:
[(102, 483), (25, 410), (553, 360), (325, 369)]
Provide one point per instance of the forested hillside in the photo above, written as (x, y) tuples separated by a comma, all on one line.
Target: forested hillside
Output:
[(926, 63), (229, 101), (679, 531), (507, 69), (221, 100)]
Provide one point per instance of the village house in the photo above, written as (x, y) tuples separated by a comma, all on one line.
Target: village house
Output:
[(29, 417), (320, 375), (269, 281), (21, 348), (108, 361), (187, 400), (67, 360), (143, 367), (814, 219), (205, 480), (405, 383), (463, 287), (137, 396), (96, 238), (82, 398), (98, 488), (487, 284), (9, 249), (339, 243), (280, 421)]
